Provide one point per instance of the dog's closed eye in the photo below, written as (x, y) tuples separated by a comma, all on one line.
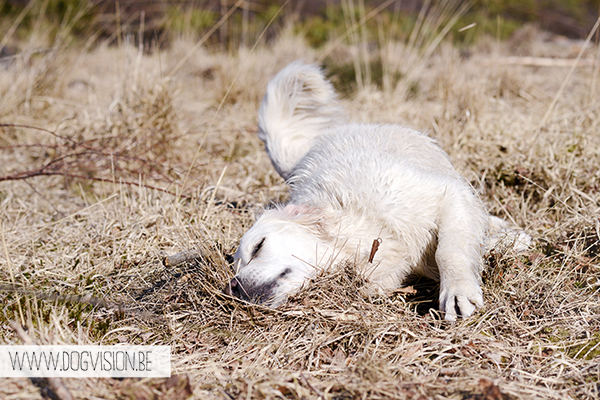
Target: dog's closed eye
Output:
[(257, 248)]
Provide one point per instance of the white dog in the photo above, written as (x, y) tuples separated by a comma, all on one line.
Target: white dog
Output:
[(353, 187)]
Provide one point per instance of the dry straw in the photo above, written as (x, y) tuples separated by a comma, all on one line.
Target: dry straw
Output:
[(84, 247)]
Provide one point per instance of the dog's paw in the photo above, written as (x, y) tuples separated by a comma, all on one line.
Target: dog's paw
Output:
[(460, 297)]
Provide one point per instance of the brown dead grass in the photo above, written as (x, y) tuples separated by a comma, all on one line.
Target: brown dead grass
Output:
[(99, 228)]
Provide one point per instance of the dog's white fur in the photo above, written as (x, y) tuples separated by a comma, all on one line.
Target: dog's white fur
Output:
[(354, 183)]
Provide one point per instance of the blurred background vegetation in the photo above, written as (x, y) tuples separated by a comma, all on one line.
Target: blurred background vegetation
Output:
[(158, 22)]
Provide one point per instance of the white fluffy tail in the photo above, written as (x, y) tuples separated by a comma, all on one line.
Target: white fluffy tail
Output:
[(299, 104), (503, 237)]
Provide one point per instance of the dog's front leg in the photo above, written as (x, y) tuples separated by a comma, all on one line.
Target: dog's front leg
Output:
[(462, 226)]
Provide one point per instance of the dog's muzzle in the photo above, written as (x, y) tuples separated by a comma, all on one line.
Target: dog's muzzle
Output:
[(258, 294)]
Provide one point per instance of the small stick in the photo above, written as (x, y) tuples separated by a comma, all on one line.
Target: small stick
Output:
[(374, 249), (87, 299), (181, 257), (54, 385)]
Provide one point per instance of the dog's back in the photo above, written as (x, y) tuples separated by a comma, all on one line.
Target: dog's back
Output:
[(370, 166)]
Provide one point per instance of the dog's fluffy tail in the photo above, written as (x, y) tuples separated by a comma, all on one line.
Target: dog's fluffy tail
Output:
[(299, 104), (503, 237)]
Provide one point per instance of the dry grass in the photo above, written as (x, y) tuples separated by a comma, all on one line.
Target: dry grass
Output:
[(145, 164)]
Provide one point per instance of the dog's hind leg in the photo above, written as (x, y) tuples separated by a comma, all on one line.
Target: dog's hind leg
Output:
[(503, 237)]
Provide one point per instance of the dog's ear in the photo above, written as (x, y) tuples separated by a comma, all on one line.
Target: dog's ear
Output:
[(312, 218)]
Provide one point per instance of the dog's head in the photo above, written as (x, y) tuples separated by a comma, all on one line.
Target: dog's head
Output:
[(278, 254)]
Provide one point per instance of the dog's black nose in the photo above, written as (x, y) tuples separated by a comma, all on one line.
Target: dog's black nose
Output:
[(249, 292), (234, 288)]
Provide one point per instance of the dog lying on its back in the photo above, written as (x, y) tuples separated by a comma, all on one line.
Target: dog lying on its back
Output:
[(354, 183)]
